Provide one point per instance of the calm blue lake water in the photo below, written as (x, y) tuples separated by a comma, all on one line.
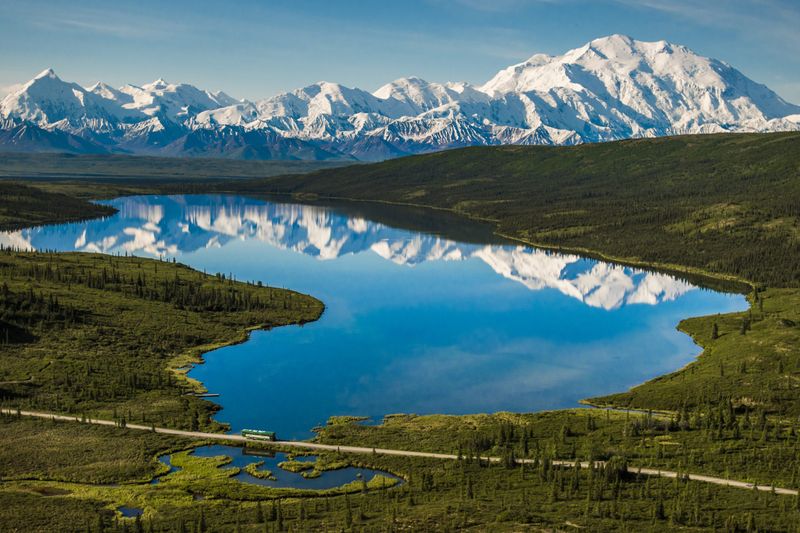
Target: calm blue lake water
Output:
[(415, 322)]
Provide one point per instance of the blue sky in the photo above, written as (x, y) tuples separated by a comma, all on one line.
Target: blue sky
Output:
[(257, 48)]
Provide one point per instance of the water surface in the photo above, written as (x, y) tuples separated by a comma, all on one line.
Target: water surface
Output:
[(130, 512), (241, 457), (415, 322)]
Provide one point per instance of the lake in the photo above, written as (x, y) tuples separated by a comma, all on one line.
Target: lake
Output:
[(441, 318)]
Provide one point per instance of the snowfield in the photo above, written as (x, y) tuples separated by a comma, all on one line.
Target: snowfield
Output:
[(611, 88)]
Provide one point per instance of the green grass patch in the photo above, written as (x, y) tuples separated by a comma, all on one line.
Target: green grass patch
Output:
[(296, 466), (256, 470), (751, 359)]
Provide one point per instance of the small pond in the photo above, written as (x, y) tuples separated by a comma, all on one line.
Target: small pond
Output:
[(165, 460), (241, 457), (130, 512)]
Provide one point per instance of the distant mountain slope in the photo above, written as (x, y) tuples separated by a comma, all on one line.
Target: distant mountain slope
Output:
[(26, 137), (611, 88)]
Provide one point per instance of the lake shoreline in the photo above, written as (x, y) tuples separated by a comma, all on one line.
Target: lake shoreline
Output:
[(196, 355), (665, 268)]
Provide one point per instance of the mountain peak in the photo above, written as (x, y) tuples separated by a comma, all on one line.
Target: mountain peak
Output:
[(99, 86), (613, 87), (330, 86), (410, 80), (615, 56), (614, 38), (108, 92), (160, 83), (47, 73)]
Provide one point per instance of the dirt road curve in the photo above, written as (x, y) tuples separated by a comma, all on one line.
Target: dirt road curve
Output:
[(405, 453)]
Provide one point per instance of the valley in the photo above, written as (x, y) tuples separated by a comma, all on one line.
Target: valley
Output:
[(382, 267), (730, 413)]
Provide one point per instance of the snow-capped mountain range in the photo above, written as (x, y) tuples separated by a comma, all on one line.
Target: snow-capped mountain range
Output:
[(175, 225), (610, 88)]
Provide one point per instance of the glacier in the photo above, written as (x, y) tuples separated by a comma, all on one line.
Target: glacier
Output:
[(611, 88)]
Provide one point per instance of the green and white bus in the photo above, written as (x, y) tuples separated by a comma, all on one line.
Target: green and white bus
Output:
[(258, 434)]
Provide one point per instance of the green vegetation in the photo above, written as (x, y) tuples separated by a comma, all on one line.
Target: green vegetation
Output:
[(724, 204), (296, 466), (213, 479), (713, 441), (22, 206), (255, 470), (94, 470), (139, 169), (437, 495), (41, 449), (106, 336), (753, 363), (82, 334), (35, 511)]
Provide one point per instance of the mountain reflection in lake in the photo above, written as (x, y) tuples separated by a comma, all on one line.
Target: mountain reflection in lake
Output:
[(415, 322)]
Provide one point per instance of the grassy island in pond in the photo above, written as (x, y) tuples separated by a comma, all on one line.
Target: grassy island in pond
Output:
[(255, 470)]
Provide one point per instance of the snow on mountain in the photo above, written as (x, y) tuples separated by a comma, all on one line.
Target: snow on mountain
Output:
[(49, 102), (329, 99), (234, 115), (27, 137), (419, 96), (173, 101), (616, 86), (611, 88)]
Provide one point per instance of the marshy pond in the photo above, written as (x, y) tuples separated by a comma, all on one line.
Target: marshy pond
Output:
[(279, 470)]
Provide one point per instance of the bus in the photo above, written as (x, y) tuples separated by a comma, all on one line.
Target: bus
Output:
[(258, 434)]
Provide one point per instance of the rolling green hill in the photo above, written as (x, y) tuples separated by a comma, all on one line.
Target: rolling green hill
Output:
[(127, 167), (725, 204)]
